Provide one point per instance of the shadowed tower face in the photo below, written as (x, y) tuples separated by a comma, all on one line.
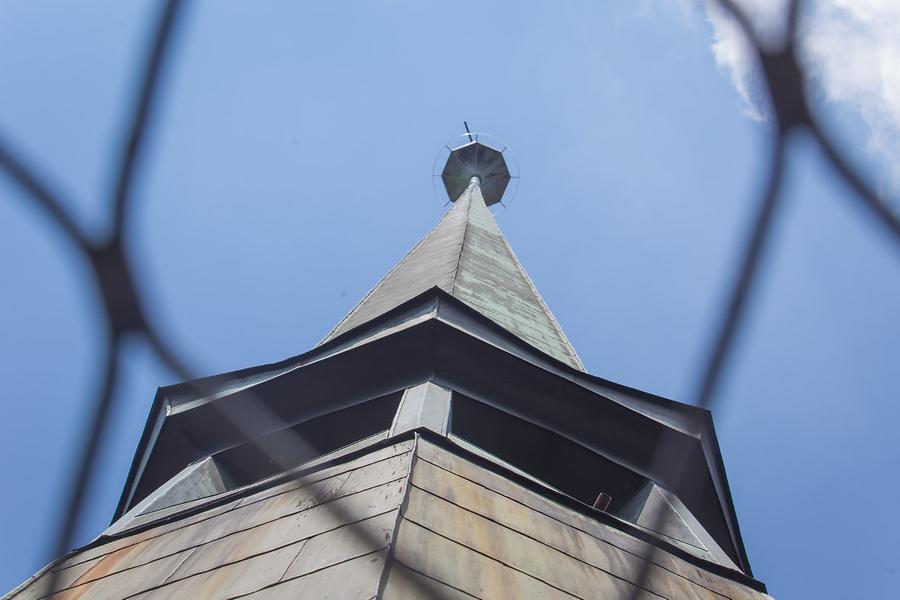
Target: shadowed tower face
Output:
[(443, 440)]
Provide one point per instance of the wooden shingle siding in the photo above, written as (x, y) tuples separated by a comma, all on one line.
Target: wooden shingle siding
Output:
[(475, 573), (406, 521), (308, 528), (495, 533), (404, 584), (355, 579), (65, 579)]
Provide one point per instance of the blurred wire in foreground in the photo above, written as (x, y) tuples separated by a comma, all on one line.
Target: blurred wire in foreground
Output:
[(113, 276), (786, 83), (124, 308)]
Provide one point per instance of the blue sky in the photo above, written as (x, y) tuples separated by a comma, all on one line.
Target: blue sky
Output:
[(290, 167)]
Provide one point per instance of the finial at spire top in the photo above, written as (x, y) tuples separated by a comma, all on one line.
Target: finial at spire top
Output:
[(475, 160)]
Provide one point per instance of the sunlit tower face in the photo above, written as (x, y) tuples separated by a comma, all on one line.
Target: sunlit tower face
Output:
[(475, 159)]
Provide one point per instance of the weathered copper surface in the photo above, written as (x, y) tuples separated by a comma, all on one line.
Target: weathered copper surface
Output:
[(470, 532), (434, 522), (285, 533), (485, 514), (467, 256)]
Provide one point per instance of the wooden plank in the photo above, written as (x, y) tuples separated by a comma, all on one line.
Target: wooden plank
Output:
[(312, 522), (120, 543), (355, 579), (345, 543), (466, 570), (230, 580), (289, 504), (403, 584), (430, 453), (119, 584), (39, 587), (377, 473), (525, 554), (136, 538), (559, 536)]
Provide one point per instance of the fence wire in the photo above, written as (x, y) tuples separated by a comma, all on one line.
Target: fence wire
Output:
[(786, 83), (123, 304)]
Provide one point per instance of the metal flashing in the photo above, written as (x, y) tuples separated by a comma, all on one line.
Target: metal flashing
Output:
[(424, 405)]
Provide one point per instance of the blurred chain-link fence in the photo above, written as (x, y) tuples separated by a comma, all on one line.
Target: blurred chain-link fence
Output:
[(124, 305)]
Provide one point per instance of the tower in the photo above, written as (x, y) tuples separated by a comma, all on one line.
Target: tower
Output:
[(444, 439)]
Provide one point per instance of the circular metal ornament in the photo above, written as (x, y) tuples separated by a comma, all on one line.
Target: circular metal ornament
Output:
[(476, 155)]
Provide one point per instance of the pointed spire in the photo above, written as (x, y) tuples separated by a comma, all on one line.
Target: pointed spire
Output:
[(467, 256)]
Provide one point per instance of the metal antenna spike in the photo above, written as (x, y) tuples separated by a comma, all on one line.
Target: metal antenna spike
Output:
[(468, 133)]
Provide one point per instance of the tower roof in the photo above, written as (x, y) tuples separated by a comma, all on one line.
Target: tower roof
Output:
[(467, 256)]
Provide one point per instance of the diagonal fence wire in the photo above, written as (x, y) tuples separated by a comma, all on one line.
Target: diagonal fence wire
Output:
[(124, 309), (124, 313), (113, 276), (786, 83)]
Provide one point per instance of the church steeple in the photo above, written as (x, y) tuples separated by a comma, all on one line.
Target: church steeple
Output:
[(467, 256), (443, 441)]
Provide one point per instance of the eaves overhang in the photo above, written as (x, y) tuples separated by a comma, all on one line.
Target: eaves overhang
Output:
[(436, 337), (309, 470)]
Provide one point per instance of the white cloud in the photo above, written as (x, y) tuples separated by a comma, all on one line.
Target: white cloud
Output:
[(850, 47), (684, 8), (735, 56)]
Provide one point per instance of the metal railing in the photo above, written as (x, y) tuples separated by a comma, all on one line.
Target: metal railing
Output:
[(124, 305)]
